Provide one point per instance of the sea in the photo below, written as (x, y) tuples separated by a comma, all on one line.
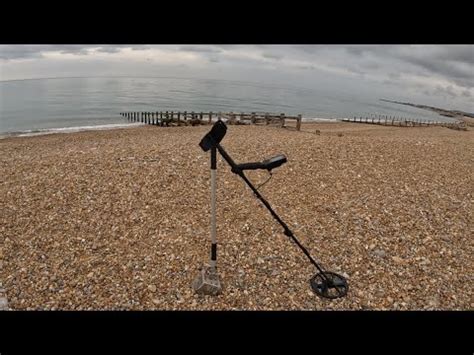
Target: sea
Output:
[(39, 106)]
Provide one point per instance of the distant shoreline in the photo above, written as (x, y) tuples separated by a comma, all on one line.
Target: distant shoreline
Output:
[(443, 112)]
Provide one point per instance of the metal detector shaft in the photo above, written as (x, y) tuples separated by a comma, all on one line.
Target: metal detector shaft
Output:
[(213, 208), (287, 230)]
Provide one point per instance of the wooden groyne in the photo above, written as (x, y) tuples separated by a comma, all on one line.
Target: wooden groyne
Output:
[(179, 118), (404, 122)]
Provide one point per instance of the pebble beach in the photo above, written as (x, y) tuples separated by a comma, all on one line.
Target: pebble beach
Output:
[(120, 219)]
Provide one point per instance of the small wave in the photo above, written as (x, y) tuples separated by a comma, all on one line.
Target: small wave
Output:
[(38, 132), (320, 119)]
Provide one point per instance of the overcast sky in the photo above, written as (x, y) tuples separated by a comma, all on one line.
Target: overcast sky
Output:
[(433, 74)]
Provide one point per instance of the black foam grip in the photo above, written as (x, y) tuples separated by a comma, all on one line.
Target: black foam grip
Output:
[(214, 252)]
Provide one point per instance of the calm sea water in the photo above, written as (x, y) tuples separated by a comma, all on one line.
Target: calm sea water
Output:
[(44, 104)]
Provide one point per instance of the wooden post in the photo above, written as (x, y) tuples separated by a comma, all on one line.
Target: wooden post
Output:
[(282, 120), (267, 119), (210, 117), (298, 122)]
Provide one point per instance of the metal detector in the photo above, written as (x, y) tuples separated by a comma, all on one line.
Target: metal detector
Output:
[(325, 284)]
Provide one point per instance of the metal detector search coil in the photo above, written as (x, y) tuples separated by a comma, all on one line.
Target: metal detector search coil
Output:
[(325, 284)]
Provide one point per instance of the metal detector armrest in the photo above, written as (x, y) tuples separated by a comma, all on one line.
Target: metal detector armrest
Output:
[(268, 164)]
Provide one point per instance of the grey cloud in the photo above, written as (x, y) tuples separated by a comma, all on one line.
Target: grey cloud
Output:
[(202, 49), (466, 93), (139, 47), (306, 67), (370, 65), (463, 54), (80, 50), (445, 91), (439, 66), (270, 55), (12, 52), (308, 49), (455, 63), (394, 75), (109, 49)]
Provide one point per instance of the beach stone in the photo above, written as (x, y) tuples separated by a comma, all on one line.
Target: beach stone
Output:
[(152, 288), (433, 302), (398, 260), (3, 303), (380, 253)]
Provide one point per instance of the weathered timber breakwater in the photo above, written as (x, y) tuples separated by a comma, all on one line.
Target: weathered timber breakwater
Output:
[(171, 118), (405, 122)]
